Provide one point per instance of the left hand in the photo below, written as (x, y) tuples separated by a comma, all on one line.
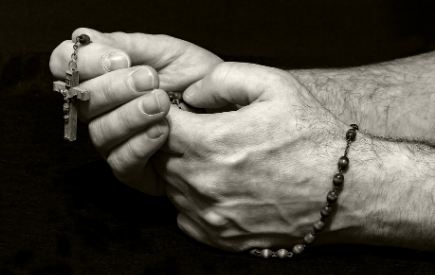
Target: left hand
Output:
[(177, 62), (123, 112), (256, 177)]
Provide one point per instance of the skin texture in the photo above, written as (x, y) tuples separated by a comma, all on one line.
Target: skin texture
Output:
[(259, 176), (115, 129), (393, 99), (256, 177)]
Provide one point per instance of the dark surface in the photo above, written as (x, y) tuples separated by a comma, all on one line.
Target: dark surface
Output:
[(61, 209)]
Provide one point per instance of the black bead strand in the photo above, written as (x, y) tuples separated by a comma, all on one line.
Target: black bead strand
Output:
[(325, 212)]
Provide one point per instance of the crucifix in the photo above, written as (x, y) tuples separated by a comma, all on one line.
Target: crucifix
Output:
[(71, 92)]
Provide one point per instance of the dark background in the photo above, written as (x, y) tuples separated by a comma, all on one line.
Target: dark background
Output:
[(61, 209)]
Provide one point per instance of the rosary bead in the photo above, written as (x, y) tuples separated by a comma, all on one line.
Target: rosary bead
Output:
[(266, 253), (343, 162), (351, 134), (354, 126), (254, 252), (318, 226), (326, 211), (298, 249), (84, 39), (309, 238), (282, 254), (332, 196), (174, 95), (338, 179)]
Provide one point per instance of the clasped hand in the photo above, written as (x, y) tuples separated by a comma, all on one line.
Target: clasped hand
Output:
[(253, 177)]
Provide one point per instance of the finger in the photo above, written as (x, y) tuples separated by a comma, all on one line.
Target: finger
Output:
[(178, 62), (112, 128), (228, 83), (191, 228), (189, 130), (235, 83), (153, 50), (116, 88), (186, 107), (93, 59), (129, 160), (220, 108)]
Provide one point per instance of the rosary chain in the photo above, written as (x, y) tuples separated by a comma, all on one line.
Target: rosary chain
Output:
[(325, 212), (73, 63)]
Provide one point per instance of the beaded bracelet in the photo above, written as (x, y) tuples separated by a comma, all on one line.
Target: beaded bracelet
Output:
[(332, 196)]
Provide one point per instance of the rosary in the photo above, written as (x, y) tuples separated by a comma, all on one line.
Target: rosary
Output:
[(71, 92)]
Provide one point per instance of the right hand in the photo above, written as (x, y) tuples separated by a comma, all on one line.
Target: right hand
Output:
[(126, 115)]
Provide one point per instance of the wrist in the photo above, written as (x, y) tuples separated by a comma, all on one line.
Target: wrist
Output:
[(328, 147), (392, 99), (388, 195), (330, 88)]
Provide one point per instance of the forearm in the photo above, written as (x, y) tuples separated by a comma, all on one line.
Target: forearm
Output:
[(390, 191), (394, 99)]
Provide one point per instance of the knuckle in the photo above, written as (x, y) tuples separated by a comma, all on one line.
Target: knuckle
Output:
[(135, 148), (214, 219), (179, 201), (234, 163), (117, 165), (209, 189), (106, 84), (162, 37), (53, 63), (229, 246), (280, 77), (122, 36), (57, 56), (126, 119), (96, 133), (79, 31), (222, 71)]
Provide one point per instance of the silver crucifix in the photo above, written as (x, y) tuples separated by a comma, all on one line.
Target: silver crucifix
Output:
[(70, 93)]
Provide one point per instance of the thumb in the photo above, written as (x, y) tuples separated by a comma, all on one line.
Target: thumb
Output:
[(234, 83)]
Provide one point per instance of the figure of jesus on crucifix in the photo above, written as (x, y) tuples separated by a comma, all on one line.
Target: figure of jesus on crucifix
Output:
[(71, 92)]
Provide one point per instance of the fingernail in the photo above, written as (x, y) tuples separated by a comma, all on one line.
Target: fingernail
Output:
[(155, 131), (150, 104), (143, 79), (192, 90), (115, 60)]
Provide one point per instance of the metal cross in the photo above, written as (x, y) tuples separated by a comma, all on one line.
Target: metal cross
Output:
[(70, 93)]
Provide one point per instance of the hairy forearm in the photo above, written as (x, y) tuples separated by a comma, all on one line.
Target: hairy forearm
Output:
[(394, 99), (391, 194)]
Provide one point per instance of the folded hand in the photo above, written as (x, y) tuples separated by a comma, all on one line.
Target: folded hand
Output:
[(126, 113), (256, 177)]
